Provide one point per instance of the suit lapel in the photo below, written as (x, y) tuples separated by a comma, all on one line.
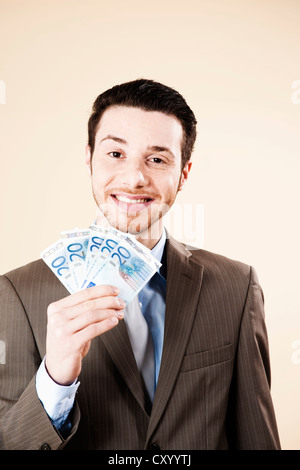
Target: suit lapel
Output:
[(118, 345), (183, 289)]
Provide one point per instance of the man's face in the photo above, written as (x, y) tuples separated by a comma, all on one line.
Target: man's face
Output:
[(136, 169)]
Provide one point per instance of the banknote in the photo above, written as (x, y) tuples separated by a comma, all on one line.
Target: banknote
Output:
[(83, 258), (127, 266), (55, 257), (95, 240), (76, 242), (100, 247)]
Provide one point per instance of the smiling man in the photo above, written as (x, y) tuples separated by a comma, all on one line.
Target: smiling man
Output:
[(186, 364), (136, 169)]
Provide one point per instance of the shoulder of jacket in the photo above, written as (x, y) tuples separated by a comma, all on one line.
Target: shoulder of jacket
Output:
[(34, 271), (215, 261), (210, 261)]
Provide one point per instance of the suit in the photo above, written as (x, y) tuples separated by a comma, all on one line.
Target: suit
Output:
[(213, 390)]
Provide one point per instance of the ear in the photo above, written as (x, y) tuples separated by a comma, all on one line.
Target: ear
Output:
[(184, 175), (88, 159)]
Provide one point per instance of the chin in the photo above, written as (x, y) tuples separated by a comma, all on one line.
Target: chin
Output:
[(132, 228), (139, 225)]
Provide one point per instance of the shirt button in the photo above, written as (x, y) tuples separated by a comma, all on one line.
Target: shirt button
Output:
[(153, 446), (45, 446)]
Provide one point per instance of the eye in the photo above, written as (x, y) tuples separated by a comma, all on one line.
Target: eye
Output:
[(156, 160), (115, 154)]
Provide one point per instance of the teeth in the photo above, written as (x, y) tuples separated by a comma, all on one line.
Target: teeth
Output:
[(130, 201)]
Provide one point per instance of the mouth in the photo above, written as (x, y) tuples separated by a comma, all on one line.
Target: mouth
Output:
[(132, 202)]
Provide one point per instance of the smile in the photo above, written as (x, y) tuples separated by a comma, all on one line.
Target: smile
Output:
[(132, 203), (131, 200)]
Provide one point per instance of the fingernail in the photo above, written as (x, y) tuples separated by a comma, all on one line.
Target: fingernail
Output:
[(120, 314), (121, 303), (115, 290), (114, 320)]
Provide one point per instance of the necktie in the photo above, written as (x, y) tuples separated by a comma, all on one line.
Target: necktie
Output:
[(152, 300), (142, 344)]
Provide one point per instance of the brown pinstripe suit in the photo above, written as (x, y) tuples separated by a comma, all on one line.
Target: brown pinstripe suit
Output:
[(213, 389)]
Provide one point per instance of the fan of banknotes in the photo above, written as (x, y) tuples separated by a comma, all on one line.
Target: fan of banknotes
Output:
[(101, 255)]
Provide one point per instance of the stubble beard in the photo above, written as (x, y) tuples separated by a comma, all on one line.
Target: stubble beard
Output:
[(144, 225)]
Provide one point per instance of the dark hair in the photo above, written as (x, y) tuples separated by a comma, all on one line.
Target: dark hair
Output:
[(148, 95)]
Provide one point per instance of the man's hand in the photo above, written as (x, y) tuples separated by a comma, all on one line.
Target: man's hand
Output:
[(72, 323)]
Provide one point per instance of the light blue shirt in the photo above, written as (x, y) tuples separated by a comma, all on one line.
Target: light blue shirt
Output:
[(58, 400), (152, 303)]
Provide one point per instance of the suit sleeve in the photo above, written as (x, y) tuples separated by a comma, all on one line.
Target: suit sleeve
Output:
[(24, 424), (252, 414)]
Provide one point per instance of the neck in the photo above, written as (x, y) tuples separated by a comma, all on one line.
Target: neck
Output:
[(150, 237)]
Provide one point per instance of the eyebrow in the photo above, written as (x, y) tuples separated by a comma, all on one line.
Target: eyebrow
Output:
[(153, 148), (158, 148), (113, 137)]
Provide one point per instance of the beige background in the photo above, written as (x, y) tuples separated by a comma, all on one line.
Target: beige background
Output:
[(235, 61)]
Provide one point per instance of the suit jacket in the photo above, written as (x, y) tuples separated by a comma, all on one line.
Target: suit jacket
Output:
[(213, 390)]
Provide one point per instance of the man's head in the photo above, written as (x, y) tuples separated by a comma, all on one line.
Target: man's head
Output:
[(148, 95), (141, 136)]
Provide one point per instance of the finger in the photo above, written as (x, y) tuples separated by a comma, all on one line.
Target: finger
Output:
[(93, 317), (96, 329), (94, 305), (85, 295)]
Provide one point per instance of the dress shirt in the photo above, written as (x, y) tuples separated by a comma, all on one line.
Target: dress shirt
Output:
[(153, 302), (57, 399)]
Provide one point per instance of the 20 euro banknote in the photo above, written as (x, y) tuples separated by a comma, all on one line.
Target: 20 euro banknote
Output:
[(82, 258)]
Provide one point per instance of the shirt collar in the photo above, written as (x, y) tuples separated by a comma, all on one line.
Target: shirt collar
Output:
[(158, 249)]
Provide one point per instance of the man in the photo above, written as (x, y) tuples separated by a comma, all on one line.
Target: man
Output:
[(73, 378)]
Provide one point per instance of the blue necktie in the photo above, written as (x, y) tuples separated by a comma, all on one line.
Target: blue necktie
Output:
[(152, 298)]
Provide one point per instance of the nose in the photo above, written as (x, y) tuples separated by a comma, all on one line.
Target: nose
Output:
[(134, 174)]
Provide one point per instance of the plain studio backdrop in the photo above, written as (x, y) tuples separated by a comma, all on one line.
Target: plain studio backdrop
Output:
[(237, 64)]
